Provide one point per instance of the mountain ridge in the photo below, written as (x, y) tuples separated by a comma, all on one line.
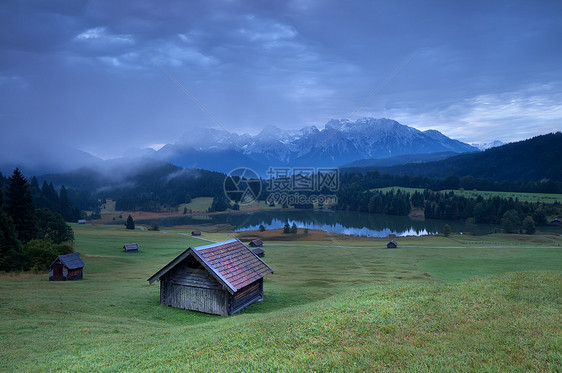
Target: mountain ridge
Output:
[(340, 142)]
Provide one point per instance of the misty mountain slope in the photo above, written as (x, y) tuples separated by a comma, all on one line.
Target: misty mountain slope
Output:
[(222, 160), (400, 160), (142, 184), (534, 159), (46, 158), (338, 143), (111, 174)]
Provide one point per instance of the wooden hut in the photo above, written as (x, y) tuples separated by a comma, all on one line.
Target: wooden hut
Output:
[(392, 245), (196, 233), (221, 278), (258, 251), (256, 243), (66, 267), (131, 247)]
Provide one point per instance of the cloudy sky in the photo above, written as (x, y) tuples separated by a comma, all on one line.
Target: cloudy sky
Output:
[(105, 76)]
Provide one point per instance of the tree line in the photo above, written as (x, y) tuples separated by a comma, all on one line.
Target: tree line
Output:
[(160, 190), (374, 180), (31, 236), (513, 215)]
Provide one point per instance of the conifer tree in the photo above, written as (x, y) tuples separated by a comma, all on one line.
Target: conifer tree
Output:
[(65, 207), (130, 223), (10, 248), (19, 205)]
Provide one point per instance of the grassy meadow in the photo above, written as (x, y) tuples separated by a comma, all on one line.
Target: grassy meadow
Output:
[(523, 197), (462, 303)]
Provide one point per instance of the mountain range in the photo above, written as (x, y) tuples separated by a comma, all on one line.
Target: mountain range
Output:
[(340, 142), (369, 141)]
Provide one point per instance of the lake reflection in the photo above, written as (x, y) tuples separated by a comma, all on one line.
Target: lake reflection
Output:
[(344, 222)]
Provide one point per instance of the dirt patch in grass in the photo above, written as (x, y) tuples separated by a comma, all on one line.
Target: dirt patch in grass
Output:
[(278, 235)]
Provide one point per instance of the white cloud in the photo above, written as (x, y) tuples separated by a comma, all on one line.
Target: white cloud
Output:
[(100, 34), (174, 55), (266, 32), (507, 116)]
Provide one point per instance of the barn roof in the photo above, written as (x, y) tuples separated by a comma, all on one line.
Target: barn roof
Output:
[(256, 242), (131, 246), (258, 251), (72, 261), (231, 262)]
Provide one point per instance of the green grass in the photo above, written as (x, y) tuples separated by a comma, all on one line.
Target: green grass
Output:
[(523, 197), (462, 303), (198, 204)]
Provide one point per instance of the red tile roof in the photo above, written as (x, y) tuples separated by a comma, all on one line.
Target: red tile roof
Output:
[(231, 262), (237, 264)]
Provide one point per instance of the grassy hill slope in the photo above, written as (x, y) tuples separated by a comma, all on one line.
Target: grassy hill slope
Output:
[(331, 306)]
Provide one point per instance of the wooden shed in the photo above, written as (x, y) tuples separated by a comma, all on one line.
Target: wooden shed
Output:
[(131, 247), (196, 233), (258, 251), (392, 245), (221, 278), (256, 243), (66, 267)]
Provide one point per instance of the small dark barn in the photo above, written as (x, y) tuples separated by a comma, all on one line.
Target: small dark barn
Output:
[(259, 252), (131, 247), (196, 233), (256, 243), (392, 245), (221, 278), (66, 267)]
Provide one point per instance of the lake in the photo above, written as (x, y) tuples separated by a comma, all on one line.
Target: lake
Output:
[(344, 222)]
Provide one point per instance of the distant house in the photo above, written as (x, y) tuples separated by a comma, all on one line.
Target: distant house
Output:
[(82, 221), (66, 267), (131, 247), (392, 245), (256, 243), (196, 233), (259, 252), (221, 278)]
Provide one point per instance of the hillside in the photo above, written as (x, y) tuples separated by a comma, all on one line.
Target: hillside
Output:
[(399, 160), (425, 306), (141, 183), (529, 160)]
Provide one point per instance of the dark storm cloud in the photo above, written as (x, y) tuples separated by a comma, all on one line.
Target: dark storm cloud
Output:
[(94, 74)]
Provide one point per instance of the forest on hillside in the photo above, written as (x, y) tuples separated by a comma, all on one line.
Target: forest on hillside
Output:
[(525, 161)]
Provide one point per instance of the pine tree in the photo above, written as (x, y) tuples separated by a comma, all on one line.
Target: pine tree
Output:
[(50, 197), (19, 205), (130, 223), (11, 257), (65, 207)]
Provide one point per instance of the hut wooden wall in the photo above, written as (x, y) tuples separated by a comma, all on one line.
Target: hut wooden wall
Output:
[(74, 274), (193, 289), (246, 296), (59, 272)]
